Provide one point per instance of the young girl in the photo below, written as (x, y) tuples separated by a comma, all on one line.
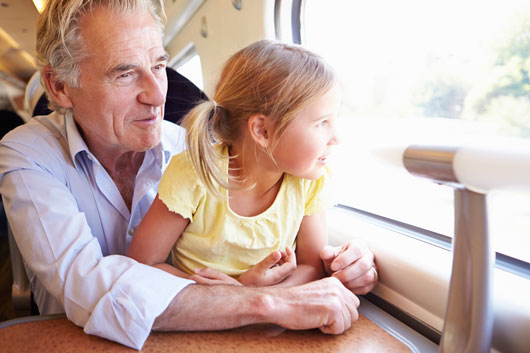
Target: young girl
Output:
[(251, 187)]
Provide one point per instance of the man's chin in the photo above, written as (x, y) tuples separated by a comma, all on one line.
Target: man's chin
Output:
[(147, 142)]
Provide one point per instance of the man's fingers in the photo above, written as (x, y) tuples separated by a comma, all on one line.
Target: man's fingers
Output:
[(343, 312), (325, 304), (335, 328), (342, 321), (349, 254), (328, 253), (351, 304), (362, 290), (357, 279), (356, 269), (364, 284)]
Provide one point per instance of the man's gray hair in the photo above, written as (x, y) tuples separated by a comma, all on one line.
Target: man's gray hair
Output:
[(59, 41)]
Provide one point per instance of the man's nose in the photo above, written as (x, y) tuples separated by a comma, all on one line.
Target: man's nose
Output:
[(153, 90)]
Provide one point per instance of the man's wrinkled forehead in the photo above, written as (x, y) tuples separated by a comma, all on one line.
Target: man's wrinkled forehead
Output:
[(110, 36)]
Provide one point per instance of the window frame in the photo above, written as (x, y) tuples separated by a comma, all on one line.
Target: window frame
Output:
[(424, 262)]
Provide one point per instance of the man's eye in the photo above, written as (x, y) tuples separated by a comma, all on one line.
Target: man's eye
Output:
[(125, 75), (159, 67)]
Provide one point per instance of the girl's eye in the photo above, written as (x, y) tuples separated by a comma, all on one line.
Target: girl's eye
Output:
[(323, 123)]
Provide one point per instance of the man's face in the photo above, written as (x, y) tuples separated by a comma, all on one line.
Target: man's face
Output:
[(119, 104)]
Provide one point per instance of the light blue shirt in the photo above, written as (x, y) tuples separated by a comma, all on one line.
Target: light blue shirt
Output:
[(73, 228)]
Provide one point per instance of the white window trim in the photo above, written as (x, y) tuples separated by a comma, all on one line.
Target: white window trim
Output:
[(414, 276)]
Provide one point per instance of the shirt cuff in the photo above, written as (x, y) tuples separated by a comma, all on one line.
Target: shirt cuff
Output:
[(126, 313)]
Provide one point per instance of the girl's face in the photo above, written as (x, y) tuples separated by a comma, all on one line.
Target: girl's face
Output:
[(306, 143)]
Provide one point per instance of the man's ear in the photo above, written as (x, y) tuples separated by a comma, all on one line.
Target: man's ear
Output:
[(56, 88), (259, 129)]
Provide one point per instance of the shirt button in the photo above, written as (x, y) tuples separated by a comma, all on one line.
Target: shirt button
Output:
[(131, 231)]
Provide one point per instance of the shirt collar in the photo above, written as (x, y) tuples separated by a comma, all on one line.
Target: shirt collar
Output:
[(161, 155), (173, 141), (76, 143)]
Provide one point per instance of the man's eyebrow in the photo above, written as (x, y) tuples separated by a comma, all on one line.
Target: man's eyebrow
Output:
[(122, 67), (163, 57), (126, 67)]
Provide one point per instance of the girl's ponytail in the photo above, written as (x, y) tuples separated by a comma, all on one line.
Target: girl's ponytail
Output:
[(201, 138)]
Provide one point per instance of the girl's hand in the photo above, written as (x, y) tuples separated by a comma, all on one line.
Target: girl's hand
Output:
[(273, 269), (210, 276)]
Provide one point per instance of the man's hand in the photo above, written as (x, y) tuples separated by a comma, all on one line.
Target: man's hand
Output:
[(353, 264), (324, 304), (273, 269)]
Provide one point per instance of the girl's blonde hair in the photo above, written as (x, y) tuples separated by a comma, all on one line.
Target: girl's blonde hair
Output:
[(267, 77)]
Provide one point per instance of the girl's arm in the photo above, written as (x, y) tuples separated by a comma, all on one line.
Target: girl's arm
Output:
[(312, 237), (156, 235), (306, 266)]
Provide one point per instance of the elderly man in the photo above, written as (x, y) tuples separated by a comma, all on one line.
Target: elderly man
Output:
[(77, 182)]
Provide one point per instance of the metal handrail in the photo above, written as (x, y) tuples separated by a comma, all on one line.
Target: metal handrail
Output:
[(468, 324)]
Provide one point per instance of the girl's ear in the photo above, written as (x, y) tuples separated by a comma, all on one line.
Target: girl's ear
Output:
[(259, 128), (56, 88)]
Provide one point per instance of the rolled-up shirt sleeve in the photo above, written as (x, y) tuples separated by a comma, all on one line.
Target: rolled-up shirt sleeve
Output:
[(108, 294), (127, 310)]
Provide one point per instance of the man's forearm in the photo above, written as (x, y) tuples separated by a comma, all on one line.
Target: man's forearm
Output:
[(204, 307), (325, 304)]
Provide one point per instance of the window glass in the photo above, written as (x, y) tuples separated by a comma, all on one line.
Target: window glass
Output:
[(192, 70), (431, 72)]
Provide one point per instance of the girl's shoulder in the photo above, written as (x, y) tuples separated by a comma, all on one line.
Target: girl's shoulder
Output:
[(180, 173), (316, 194), (180, 188), (181, 165)]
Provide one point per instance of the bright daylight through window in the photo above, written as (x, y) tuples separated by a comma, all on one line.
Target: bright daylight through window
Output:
[(426, 71), (192, 70)]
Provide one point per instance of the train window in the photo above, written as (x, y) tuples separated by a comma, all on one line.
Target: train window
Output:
[(436, 72), (192, 70)]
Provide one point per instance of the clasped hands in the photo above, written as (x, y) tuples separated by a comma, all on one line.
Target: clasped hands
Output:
[(273, 269), (352, 263)]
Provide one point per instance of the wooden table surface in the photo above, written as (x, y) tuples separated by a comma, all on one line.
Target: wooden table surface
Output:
[(60, 335)]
